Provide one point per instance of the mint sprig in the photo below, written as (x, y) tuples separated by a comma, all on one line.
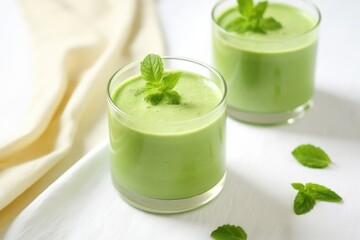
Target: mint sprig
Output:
[(159, 85), (311, 156), (252, 18), (229, 232), (308, 194)]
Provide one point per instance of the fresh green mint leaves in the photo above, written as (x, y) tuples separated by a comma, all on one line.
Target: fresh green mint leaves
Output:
[(229, 232), (306, 197), (159, 85), (309, 193), (311, 156), (252, 18)]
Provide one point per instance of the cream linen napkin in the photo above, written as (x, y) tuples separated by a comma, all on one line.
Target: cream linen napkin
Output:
[(77, 46)]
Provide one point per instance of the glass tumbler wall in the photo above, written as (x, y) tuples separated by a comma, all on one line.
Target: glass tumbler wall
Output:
[(168, 166), (270, 76)]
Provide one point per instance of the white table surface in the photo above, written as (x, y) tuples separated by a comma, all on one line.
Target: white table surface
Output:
[(257, 195)]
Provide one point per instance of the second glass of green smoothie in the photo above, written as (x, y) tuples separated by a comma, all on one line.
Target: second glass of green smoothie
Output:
[(270, 74), (168, 158)]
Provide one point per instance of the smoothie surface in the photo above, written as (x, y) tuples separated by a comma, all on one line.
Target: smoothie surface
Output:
[(294, 22), (198, 97)]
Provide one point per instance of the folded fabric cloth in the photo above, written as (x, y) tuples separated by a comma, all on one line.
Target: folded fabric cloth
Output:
[(77, 46)]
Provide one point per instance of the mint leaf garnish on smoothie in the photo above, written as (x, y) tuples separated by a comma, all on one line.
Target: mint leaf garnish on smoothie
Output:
[(159, 85), (311, 156), (229, 232), (252, 18), (308, 194)]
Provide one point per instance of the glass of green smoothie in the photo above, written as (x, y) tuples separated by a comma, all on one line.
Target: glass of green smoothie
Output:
[(167, 156), (266, 52)]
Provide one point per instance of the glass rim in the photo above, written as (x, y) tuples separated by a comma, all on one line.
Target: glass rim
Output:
[(133, 64), (234, 35)]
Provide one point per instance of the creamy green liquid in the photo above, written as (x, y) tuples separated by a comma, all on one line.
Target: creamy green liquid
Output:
[(181, 161), (272, 72)]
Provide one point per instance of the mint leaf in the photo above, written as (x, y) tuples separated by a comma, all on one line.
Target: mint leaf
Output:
[(152, 68), (142, 90), (229, 232), (298, 186), (258, 29), (311, 156), (155, 98), (252, 18), (239, 25), (307, 194), (303, 203), (172, 96), (170, 80), (322, 193), (245, 7), (159, 85), (269, 24), (259, 10)]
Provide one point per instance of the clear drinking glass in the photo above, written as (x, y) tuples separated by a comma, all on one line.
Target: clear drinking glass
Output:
[(168, 166), (270, 76)]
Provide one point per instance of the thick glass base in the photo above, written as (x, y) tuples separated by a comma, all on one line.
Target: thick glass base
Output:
[(169, 206), (270, 118)]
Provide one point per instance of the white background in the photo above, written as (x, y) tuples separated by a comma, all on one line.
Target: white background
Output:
[(258, 195)]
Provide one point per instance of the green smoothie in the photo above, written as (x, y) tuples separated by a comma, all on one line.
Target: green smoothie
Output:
[(168, 151), (272, 72)]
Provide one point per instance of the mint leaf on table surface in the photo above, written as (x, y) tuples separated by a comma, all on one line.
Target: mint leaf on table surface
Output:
[(252, 18), (159, 85), (308, 194), (311, 156), (298, 186), (322, 193), (229, 232), (303, 203)]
